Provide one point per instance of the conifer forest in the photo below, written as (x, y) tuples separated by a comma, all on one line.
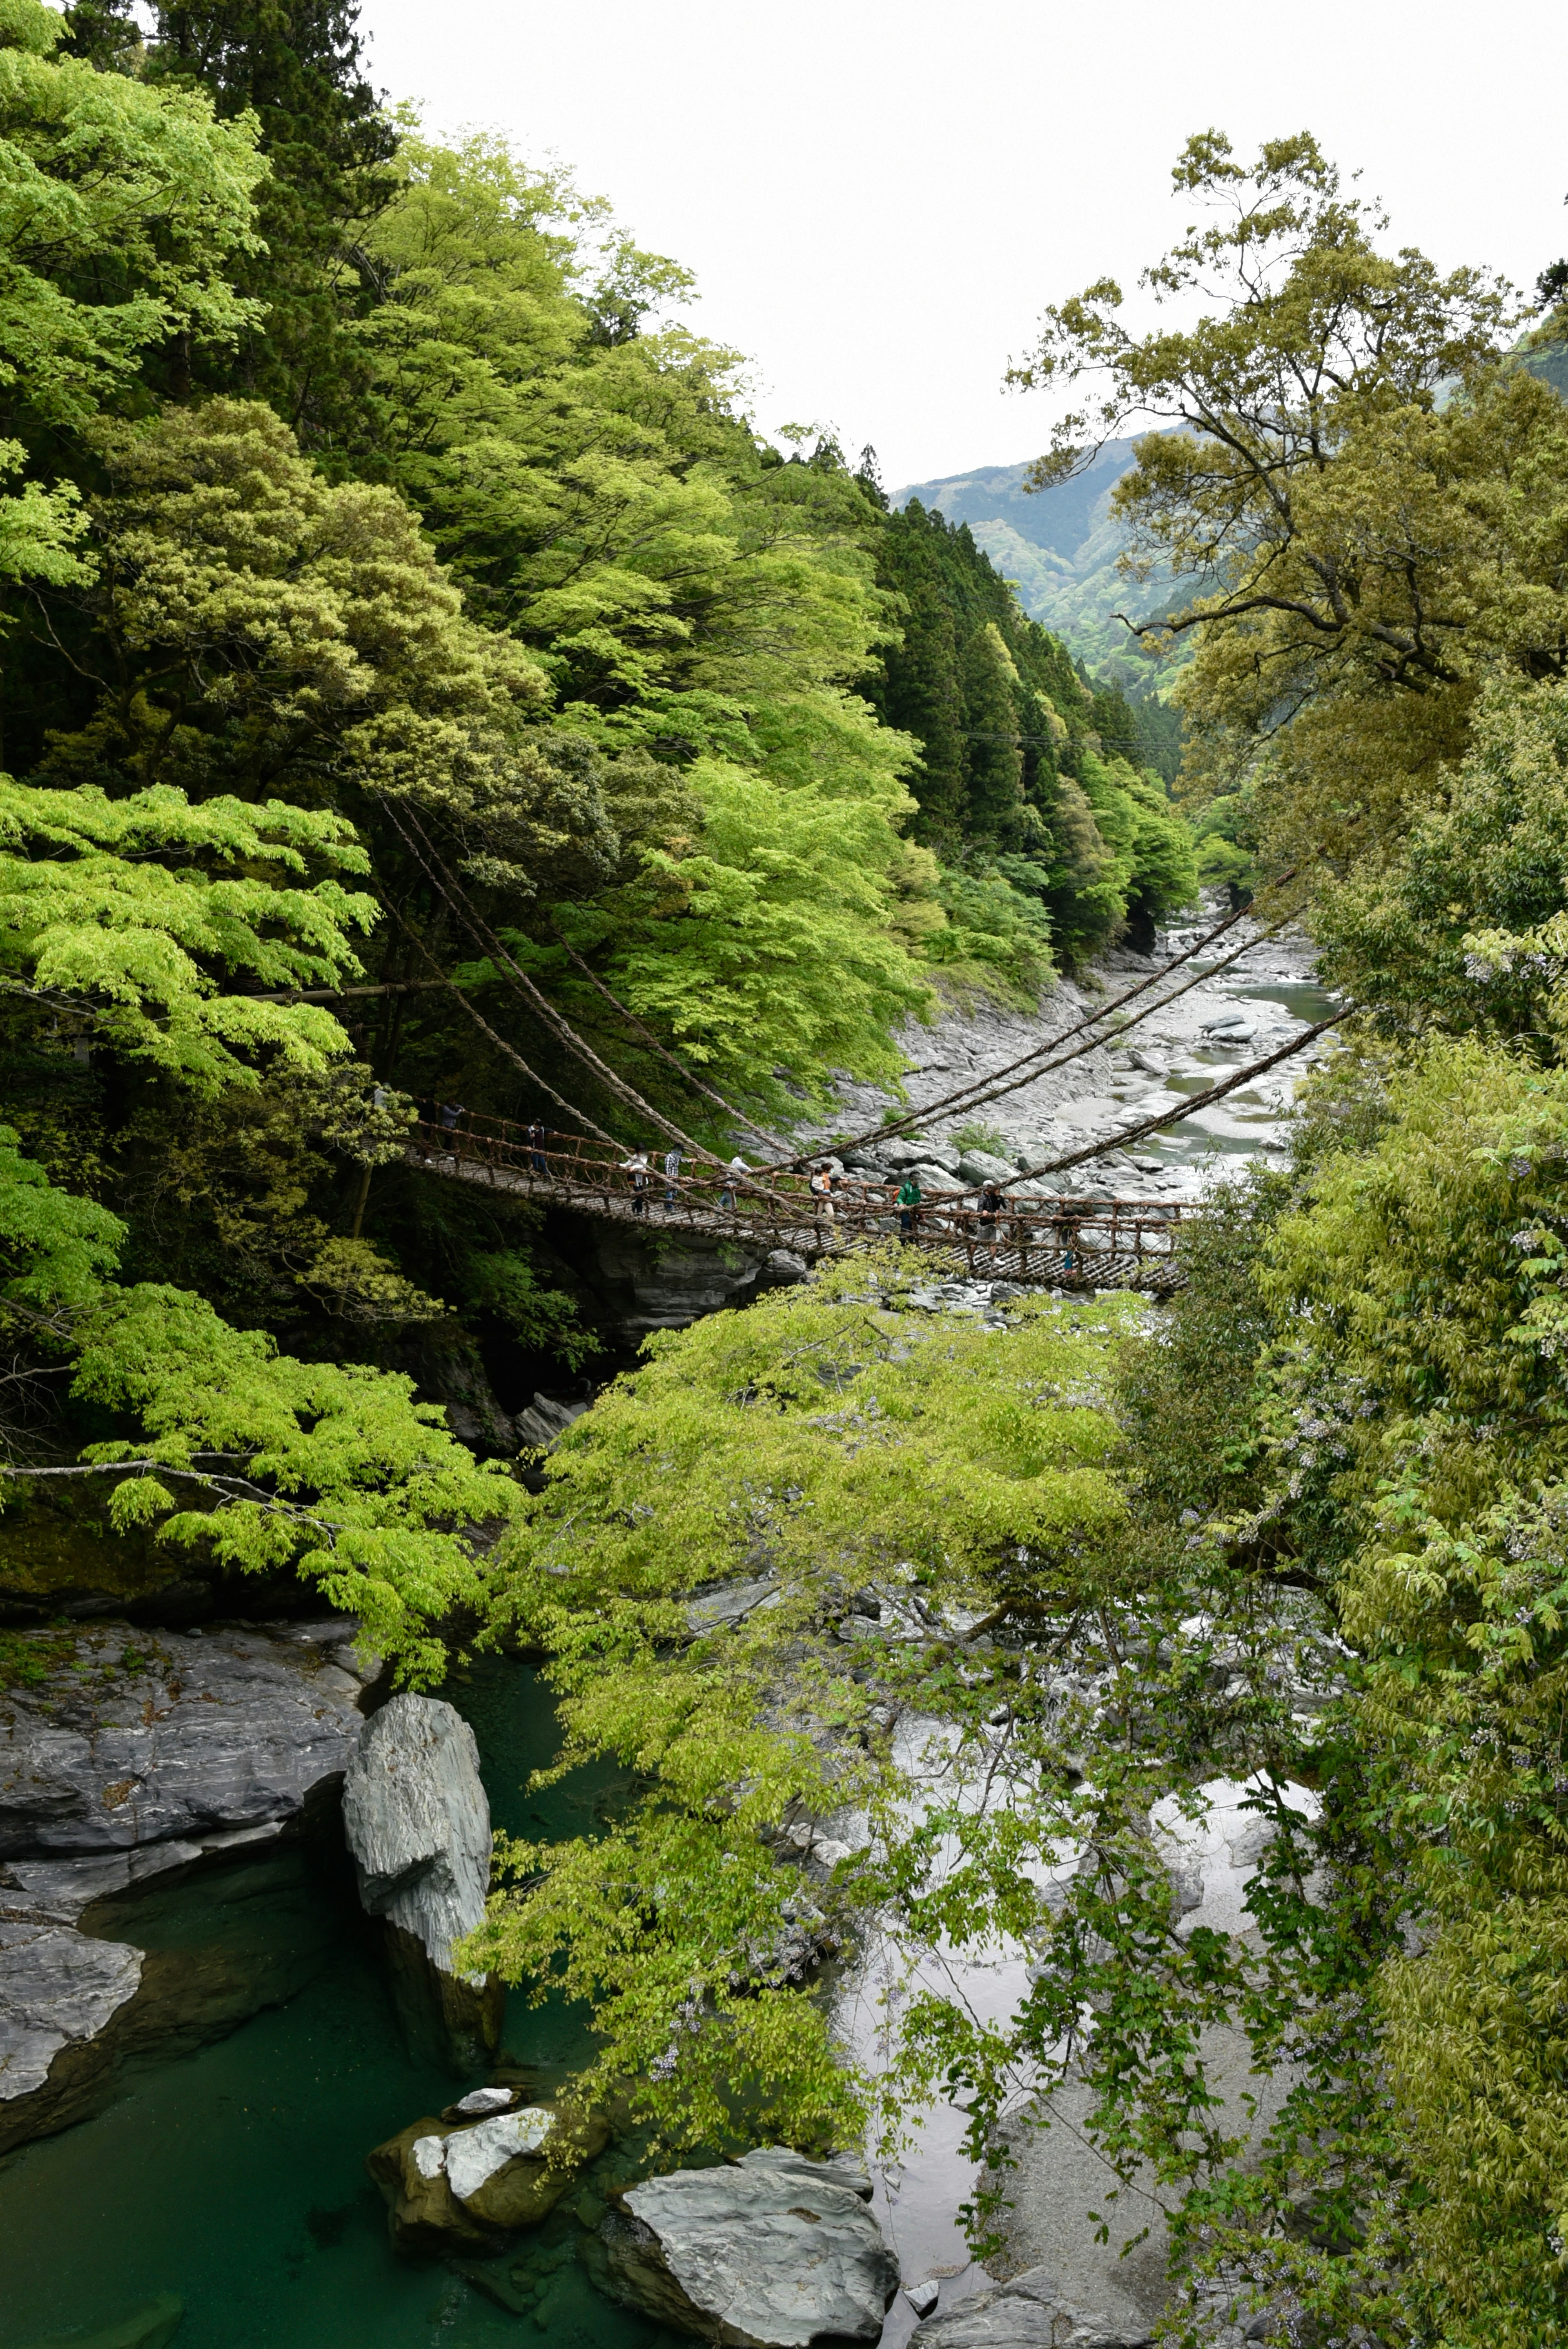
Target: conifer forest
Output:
[(505, 870)]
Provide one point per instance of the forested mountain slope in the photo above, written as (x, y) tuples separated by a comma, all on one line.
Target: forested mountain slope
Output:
[(395, 599)]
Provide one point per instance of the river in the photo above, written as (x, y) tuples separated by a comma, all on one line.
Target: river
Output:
[(233, 2175)]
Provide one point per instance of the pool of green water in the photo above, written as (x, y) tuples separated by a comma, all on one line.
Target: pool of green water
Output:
[(230, 2170)]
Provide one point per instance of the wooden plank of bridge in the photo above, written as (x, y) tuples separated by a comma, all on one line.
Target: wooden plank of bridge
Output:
[(780, 1210)]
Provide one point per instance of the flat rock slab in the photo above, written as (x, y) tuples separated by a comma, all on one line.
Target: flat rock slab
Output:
[(1028, 2313), (201, 1732), (774, 2252)]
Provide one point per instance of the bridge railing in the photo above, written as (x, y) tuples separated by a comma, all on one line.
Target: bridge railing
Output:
[(1030, 1234)]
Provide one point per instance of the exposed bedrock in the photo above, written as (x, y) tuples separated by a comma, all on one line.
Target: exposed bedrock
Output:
[(137, 1759), (1031, 2313), (640, 1280), (773, 2251), (418, 1822)]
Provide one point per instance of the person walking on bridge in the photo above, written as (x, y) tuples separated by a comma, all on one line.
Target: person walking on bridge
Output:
[(908, 1203), (536, 1138), (992, 1206), (821, 1187), (637, 1166), (672, 1174)]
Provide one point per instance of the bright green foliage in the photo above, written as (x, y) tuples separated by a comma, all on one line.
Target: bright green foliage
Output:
[(57, 1249), (122, 911), (262, 1461), (120, 211), (830, 1438), (1488, 851), (598, 495), (1154, 865), (331, 1469), (1422, 1398), (767, 942), (1224, 836), (292, 74)]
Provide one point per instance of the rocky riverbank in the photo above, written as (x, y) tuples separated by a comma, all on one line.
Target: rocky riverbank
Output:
[(128, 1760)]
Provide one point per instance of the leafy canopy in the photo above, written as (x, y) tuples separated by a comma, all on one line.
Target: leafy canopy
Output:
[(263, 1462), (1369, 503), (129, 915), (121, 210)]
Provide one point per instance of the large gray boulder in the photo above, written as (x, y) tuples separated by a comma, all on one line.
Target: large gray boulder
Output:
[(58, 1989), (1031, 2313), (774, 2252), (141, 1754), (417, 1822), (984, 1166), (207, 1732)]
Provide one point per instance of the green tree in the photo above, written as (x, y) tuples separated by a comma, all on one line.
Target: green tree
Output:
[(128, 916), (995, 760), (1363, 546), (292, 74), (262, 1462), (124, 210)]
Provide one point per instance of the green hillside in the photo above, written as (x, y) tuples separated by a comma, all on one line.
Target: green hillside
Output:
[(1062, 546)]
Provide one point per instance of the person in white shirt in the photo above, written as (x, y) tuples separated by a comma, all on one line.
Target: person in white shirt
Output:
[(637, 1166), (727, 1197)]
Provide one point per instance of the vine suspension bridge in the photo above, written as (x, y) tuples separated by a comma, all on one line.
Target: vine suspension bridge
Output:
[(1071, 1243)]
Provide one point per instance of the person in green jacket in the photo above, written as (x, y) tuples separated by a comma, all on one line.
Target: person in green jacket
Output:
[(908, 1205)]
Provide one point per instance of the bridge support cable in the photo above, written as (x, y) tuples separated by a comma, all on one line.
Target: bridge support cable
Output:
[(1197, 1101), (959, 1096), (772, 1140), (500, 1043), (485, 937), (985, 1089)]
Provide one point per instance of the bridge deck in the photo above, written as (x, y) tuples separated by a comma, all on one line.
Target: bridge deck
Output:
[(1069, 1243)]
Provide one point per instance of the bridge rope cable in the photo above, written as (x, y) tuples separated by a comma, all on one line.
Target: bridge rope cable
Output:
[(521, 984), (773, 1141), (481, 931), (500, 1043), (892, 1127), (989, 1089), (1197, 1101)]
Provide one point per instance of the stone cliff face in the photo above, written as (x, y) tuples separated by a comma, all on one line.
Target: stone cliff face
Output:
[(142, 1756)]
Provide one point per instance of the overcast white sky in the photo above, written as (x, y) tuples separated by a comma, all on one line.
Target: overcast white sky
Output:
[(878, 199)]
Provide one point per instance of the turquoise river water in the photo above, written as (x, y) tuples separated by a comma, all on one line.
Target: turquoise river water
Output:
[(232, 2174)]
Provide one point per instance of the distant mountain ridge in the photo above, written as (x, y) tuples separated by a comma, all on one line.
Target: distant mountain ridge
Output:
[(1061, 547)]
